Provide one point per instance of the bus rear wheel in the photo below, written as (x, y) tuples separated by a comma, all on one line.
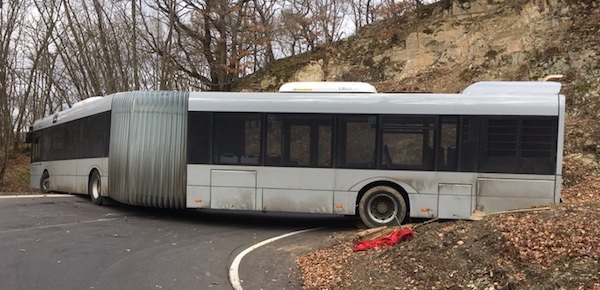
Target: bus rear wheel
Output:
[(382, 206), (45, 183), (95, 188)]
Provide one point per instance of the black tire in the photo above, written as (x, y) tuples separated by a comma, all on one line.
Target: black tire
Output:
[(45, 183), (95, 188), (382, 206)]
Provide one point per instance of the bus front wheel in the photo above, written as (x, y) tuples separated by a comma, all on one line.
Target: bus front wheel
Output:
[(382, 206), (95, 188), (45, 183)]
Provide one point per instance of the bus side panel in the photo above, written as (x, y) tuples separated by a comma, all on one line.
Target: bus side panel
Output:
[(233, 189), (198, 186), (495, 195), (36, 170), (455, 200), (295, 200), (85, 167), (344, 202), (296, 189), (63, 175), (148, 143), (198, 197)]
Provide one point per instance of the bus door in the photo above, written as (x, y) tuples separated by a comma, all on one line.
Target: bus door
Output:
[(298, 145), (456, 141), (236, 151)]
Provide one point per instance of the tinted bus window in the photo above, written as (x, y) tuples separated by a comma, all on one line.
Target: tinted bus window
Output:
[(299, 140), (236, 138), (94, 136), (407, 143), (199, 137), (357, 136), (447, 152)]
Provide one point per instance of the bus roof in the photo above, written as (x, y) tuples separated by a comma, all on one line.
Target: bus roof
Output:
[(87, 107), (484, 98)]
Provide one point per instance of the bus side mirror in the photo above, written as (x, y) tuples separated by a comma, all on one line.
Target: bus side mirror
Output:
[(29, 136)]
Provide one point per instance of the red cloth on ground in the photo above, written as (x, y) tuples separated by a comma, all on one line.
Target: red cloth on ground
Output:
[(389, 240)]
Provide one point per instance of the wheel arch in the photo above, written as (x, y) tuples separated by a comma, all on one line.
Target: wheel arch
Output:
[(91, 170), (45, 170)]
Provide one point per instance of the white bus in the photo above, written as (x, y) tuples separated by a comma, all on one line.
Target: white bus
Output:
[(333, 148)]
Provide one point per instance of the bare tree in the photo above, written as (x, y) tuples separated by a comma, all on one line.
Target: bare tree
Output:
[(397, 9), (134, 49), (11, 20), (206, 32), (263, 31), (36, 84), (330, 18), (364, 12), (298, 30)]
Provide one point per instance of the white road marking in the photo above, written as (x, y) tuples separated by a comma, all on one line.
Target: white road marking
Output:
[(234, 276), (34, 196)]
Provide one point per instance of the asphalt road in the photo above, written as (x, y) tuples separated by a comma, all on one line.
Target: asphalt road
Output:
[(69, 243)]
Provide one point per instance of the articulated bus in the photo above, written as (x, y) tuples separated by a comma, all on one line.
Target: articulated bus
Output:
[(331, 148)]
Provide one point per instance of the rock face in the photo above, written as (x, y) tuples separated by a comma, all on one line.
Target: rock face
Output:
[(447, 47)]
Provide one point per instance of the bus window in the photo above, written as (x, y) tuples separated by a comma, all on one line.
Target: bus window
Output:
[(199, 132), (36, 146), (236, 138), (94, 135), (299, 140), (407, 143), (447, 153), (357, 136), (299, 145)]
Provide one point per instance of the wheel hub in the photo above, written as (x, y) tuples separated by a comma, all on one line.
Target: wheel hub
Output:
[(382, 207)]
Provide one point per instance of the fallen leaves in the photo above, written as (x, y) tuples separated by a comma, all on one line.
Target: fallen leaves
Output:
[(320, 268), (569, 231)]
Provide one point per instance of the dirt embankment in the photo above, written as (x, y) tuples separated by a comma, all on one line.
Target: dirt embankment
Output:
[(555, 248)]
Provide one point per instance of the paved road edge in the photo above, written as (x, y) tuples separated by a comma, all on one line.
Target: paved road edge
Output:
[(234, 277)]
